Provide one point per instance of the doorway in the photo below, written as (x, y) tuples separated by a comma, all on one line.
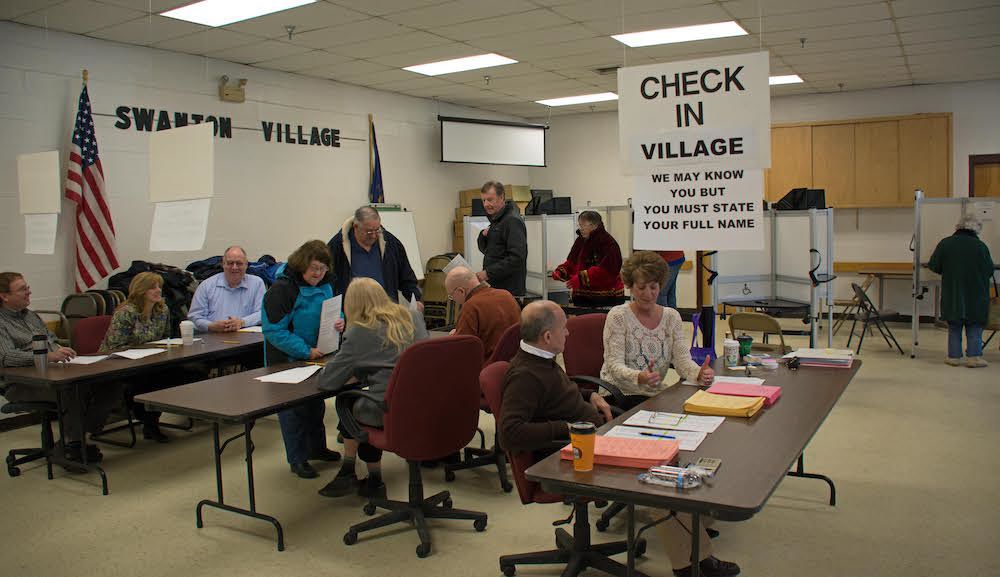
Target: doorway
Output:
[(984, 175)]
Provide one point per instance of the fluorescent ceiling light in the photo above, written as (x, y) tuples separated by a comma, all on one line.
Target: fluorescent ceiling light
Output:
[(583, 99), (787, 79), (222, 12), (681, 34), (460, 64)]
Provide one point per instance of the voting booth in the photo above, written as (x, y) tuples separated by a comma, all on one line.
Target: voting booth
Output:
[(935, 219), (778, 277)]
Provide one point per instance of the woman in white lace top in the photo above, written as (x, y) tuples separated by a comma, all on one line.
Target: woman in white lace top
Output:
[(642, 338)]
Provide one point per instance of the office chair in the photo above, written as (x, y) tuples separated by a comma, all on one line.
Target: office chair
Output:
[(576, 550), (762, 323), (472, 457), (47, 412), (429, 414), (868, 312)]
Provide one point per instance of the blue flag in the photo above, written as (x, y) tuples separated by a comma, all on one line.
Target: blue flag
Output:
[(375, 192)]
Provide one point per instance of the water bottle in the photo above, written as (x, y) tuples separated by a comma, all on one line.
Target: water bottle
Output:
[(40, 347), (681, 478)]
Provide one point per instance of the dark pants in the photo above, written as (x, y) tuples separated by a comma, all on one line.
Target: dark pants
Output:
[(97, 402), (367, 453), (630, 401), (303, 430)]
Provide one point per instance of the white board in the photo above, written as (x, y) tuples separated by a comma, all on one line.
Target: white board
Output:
[(473, 226), (401, 225)]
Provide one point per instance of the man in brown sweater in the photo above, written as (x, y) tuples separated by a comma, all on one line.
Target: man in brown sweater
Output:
[(539, 402), (486, 312)]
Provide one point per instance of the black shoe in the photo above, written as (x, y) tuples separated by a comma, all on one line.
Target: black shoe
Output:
[(340, 486), (324, 454), (73, 453), (304, 470), (712, 533), (711, 567), (152, 432), (372, 491)]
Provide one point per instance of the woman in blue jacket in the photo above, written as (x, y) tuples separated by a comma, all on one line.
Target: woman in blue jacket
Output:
[(292, 310)]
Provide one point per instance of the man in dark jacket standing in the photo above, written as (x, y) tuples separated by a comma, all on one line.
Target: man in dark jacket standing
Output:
[(504, 244), (363, 248)]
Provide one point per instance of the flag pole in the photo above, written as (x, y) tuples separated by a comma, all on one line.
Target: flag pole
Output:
[(371, 152), (86, 74)]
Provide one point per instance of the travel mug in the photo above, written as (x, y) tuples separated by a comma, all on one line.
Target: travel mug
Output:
[(583, 435), (746, 341), (187, 332), (40, 347)]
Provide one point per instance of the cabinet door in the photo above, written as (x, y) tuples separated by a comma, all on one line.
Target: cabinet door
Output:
[(833, 163), (925, 157), (876, 164), (791, 161)]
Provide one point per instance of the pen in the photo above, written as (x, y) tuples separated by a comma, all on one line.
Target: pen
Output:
[(657, 435), (231, 342), (315, 363)]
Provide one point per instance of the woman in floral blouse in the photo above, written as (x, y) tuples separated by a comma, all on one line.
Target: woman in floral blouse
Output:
[(143, 317)]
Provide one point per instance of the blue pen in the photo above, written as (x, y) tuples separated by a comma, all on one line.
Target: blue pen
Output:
[(657, 435)]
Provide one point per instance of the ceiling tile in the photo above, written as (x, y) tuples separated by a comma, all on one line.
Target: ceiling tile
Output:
[(819, 33), (413, 82), (871, 55), (534, 38), (476, 76), (949, 19), (258, 51), (78, 16), (389, 44), (153, 6), (905, 8), (9, 9), (663, 18), (304, 18), (361, 31), (345, 69), (510, 25), (211, 40), (975, 57), (147, 30), (821, 46), (832, 17), (430, 54), (751, 8), (302, 61), (457, 12), (379, 7), (369, 79), (953, 33), (583, 46), (603, 9), (953, 45), (689, 50)]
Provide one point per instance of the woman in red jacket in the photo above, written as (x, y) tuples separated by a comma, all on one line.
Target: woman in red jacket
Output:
[(593, 269)]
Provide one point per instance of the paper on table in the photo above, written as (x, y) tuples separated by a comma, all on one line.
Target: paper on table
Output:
[(674, 421), (40, 233), (39, 183), (457, 261), (290, 376), (689, 440), (138, 353), (180, 225), (329, 339), (253, 329), (86, 360), (182, 163), (629, 452), (171, 341)]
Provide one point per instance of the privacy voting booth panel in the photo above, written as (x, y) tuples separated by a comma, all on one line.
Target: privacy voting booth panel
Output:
[(473, 226), (550, 238), (742, 270), (618, 221), (535, 281), (938, 220), (791, 248), (401, 225)]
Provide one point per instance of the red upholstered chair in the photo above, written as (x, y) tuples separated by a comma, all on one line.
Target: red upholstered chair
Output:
[(507, 347), (430, 413), (575, 550), (88, 333)]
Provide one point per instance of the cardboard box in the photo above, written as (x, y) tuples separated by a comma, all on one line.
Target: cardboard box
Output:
[(463, 211), (518, 192), (459, 228), (465, 196), (458, 244)]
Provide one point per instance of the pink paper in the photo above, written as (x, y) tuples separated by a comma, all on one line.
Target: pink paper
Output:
[(770, 393)]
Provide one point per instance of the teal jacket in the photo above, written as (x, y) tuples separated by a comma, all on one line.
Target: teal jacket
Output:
[(966, 269), (290, 316)]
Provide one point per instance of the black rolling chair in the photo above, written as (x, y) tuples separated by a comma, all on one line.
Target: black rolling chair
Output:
[(48, 412), (869, 313)]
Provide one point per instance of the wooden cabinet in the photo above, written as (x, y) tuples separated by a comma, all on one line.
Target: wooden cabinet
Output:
[(874, 162), (791, 161), (833, 162)]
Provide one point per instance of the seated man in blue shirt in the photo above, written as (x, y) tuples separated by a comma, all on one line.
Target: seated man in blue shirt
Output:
[(363, 248), (229, 300)]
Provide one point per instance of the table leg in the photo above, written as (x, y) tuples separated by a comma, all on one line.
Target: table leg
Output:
[(252, 512), (58, 451), (800, 472), (695, 544), (881, 293), (630, 536)]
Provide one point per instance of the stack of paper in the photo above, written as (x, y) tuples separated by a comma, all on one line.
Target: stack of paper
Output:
[(253, 329), (137, 353), (290, 376), (688, 440), (837, 358), (172, 342), (674, 421), (724, 405), (723, 386), (629, 452)]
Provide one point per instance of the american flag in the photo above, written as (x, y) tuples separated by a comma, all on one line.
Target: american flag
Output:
[(96, 253)]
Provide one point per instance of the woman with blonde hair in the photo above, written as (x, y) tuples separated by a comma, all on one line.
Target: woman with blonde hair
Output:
[(377, 332), (143, 317)]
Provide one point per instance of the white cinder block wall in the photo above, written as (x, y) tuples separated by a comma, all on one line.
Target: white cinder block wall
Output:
[(583, 163), (270, 197)]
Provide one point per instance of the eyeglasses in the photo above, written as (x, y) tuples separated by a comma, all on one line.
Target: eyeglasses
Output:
[(235, 263), (319, 268), (23, 289), (372, 232)]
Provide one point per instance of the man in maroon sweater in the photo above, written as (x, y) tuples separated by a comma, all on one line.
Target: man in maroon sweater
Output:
[(486, 312), (539, 402)]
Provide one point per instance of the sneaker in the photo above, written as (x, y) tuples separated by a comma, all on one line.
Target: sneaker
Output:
[(711, 567), (976, 362), (953, 361), (324, 454), (369, 491), (340, 486), (304, 470)]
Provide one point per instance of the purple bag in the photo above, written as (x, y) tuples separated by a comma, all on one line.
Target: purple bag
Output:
[(698, 354)]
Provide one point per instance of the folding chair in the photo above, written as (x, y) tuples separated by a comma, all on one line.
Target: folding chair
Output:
[(868, 311), (850, 305), (761, 323)]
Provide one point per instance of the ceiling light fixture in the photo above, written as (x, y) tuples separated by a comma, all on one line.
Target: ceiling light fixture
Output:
[(786, 79), (681, 34), (217, 13), (582, 99), (460, 64)]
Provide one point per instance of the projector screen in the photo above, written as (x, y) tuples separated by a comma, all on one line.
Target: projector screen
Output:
[(491, 142)]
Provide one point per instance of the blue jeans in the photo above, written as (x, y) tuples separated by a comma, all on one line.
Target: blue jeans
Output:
[(303, 430), (973, 339), (668, 294)]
